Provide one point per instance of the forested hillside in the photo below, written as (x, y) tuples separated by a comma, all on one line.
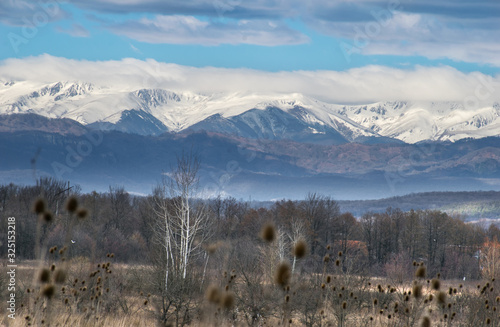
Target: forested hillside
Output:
[(469, 205)]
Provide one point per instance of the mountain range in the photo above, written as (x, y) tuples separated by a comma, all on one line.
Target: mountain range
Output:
[(258, 116), (263, 147)]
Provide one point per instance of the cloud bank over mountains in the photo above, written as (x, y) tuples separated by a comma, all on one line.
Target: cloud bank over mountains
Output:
[(355, 86)]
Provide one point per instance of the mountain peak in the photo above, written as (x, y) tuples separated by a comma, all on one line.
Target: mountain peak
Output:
[(410, 122)]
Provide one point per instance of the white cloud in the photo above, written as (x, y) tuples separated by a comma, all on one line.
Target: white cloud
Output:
[(461, 30), (360, 85), (25, 13), (410, 34), (76, 30), (190, 30), (237, 9), (135, 48)]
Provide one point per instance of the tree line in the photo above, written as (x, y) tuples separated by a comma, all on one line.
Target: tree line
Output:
[(128, 226)]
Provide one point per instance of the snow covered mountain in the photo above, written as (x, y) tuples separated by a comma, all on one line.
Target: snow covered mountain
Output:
[(269, 116)]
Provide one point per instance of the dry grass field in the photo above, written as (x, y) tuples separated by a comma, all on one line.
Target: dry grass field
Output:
[(107, 294), (239, 282)]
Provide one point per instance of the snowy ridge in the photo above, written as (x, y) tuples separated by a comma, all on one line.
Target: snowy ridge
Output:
[(414, 122), (406, 121)]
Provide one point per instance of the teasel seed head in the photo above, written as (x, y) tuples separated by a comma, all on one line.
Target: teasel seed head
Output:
[(46, 216), (71, 204), (417, 291), (283, 274), (82, 213), (421, 272), (44, 275), (426, 322), (436, 284), (268, 232), (49, 291), (227, 300), (213, 294), (212, 248), (39, 206), (300, 249), (60, 276)]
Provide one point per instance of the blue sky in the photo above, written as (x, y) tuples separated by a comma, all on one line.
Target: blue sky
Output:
[(269, 35)]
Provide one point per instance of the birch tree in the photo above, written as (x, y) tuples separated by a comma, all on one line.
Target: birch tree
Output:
[(180, 221), (297, 233)]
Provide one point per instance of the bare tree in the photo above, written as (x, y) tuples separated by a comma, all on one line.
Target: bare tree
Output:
[(320, 214), (180, 221), (120, 206), (297, 233), (490, 259)]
